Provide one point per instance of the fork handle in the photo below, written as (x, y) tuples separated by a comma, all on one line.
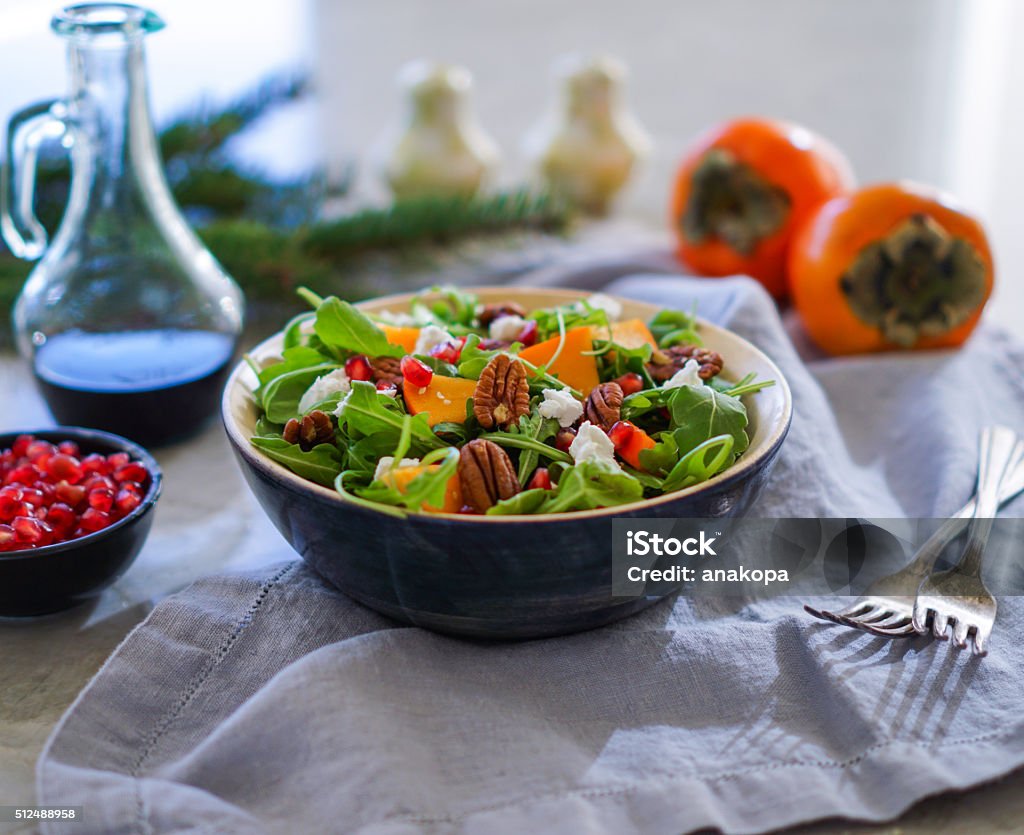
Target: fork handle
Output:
[(998, 448), (928, 553)]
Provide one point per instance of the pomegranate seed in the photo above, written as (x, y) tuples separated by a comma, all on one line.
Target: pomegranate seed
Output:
[(99, 482), (94, 520), (357, 368), (564, 439), (117, 459), (126, 501), (40, 449), (133, 471), (64, 467), (70, 494), (33, 497), (621, 433), (25, 474), (630, 383), (49, 495), (101, 499), (95, 464), (32, 531), (528, 335), (541, 479), (22, 509), (449, 351), (386, 387), (61, 518), (415, 371)]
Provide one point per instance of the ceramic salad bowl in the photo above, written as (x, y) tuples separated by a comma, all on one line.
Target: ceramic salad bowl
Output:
[(501, 577)]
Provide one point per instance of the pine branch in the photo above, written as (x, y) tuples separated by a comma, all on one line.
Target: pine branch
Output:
[(206, 129), (437, 220)]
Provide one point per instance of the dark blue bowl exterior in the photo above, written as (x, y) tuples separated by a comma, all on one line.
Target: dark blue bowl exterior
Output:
[(61, 576), (516, 579)]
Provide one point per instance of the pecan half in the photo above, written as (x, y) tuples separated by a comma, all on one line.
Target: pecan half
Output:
[(486, 474), (502, 395), (387, 369), (664, 363), (604, 405), (489, 312), (314, 428)]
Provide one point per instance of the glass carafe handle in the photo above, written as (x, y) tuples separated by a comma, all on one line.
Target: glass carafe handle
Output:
[(26, 131)]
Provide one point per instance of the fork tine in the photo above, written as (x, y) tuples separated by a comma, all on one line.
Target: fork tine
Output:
[(818, 613), (856, 609), (874, 616), (939, 623), (960, 630), (920, 618), (980, 640), (894, 619), (903, 630)]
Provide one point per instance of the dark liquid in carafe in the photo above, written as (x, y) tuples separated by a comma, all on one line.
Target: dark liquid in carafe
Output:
[(151, 386)]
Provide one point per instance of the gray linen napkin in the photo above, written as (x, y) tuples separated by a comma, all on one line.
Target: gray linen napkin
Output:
[(268, 702)]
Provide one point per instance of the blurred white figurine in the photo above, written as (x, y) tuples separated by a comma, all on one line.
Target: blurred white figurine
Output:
[(587, 151), (441, 150)]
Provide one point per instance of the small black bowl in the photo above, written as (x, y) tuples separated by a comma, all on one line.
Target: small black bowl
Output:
[(55, 577)]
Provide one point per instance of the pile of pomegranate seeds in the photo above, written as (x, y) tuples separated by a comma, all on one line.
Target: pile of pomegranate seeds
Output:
[(52, 494)]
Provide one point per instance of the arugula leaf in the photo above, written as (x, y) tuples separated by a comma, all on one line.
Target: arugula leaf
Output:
[(454, 307), (700, 412), (518, 441), (526, 502), (671, 327), (537, 428), (340, 325), (368, 413), (661, 457), (428, 488), (473, 358), (321, 464), (282, 393), (695, 467), (591, 484), (293, 334)]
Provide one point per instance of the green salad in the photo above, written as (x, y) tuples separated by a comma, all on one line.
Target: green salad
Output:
[(459, 407)]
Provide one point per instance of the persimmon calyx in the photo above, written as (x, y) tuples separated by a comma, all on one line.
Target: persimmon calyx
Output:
[(918, 281), (731, 202)]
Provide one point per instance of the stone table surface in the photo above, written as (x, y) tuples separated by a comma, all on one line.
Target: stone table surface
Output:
[(207, 522)]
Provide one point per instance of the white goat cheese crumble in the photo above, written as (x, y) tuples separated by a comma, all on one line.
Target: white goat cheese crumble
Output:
[(561, 406), (430, 336), (592, 444), (506, 328), (400, 320), (600, 301), (686, 376), (336, 382)]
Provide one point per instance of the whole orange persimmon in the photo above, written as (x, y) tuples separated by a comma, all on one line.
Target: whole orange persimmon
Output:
[(743, 188), (891, 266)]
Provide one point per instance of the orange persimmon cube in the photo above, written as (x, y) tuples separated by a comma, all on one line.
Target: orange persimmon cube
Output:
[(630, 451), (401, 477), (401, 336), (443, 399), (631, 333), (573, 366)]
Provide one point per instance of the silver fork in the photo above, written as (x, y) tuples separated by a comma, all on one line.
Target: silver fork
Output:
[(887, 606), (958, 597)]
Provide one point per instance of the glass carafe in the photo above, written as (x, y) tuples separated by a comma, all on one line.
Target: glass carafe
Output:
[(129, 323)]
